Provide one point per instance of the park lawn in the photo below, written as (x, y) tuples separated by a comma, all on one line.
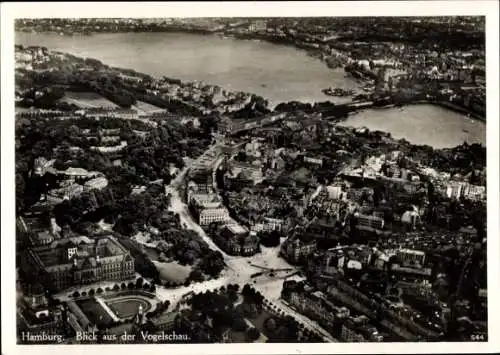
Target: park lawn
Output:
[(128, 307), (145, 107), (172, 271), (87, 100), (95, 313)]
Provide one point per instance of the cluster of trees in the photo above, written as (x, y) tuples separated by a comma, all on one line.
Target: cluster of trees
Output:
[(257, 107), (45, 98), (327, 108), (253, 334), (164, 146), (138, 285), (160, 308), (252, 297), (281, 329), (218, 305), (114, 204), (105, 83), (137, 211), (90, 75), (142, 161), (270, 239), (461, 159), (189, 249), (212, 263), (134, 213)]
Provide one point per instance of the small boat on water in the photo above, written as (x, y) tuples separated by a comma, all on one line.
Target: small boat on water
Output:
[(337, 92), (465, 130)]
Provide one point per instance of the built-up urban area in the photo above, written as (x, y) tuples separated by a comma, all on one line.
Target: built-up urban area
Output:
[(149, 206)]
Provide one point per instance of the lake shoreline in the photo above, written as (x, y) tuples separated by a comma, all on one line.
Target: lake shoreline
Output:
[(279, 88), (401, 121)]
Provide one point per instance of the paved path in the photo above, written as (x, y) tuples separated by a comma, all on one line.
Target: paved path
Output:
[(107, 309)]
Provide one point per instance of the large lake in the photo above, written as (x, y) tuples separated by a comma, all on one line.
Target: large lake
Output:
[(278, 73), (422, 124)]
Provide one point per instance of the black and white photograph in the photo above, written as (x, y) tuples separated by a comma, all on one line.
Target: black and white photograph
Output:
[(221, 179)]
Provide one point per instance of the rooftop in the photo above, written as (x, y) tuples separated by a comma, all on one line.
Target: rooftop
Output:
[(411, 251), (75, 171), (87, 249), (236, 228)]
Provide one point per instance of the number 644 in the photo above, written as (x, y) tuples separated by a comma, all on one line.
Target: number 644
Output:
[(477, 337)]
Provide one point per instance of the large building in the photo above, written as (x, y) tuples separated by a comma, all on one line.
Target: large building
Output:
[(294, 249), (96, 183), (367, 221), (165, 321), (35, 325), (410, 256), (317, 307), (206, 205), (42, 165), (333, 192), (66, 192), (213, 215), (236, 239), (80, 260), (272, 224), (252, 171), (357, 329), (474, 192), (456, 190)]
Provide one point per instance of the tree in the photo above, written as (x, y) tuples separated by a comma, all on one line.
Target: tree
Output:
[(241, 156), (76, 294), (100, 290), (139, 282), (246, 290), (123, 286), (92, 292), (253, 334), (239, 324), (196, 275), (270, 324), (166, 304), (232, 295), (116, 288), (208, 124)]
